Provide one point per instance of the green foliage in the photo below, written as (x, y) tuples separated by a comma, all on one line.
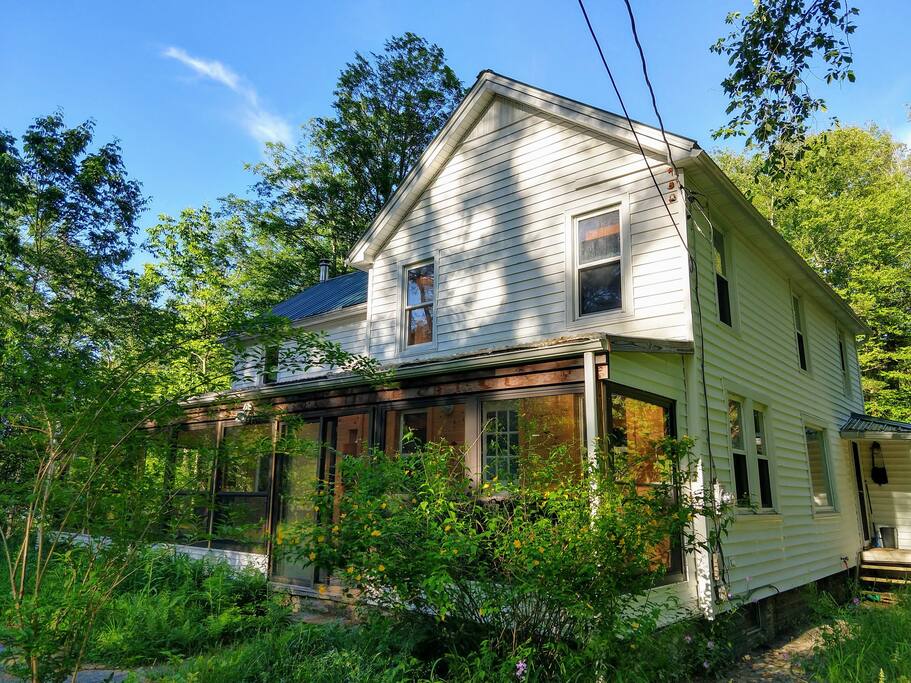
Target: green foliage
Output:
[(771, 53), (864, 641), (846, 208), (558, 564), (166, 606), (322, 194)]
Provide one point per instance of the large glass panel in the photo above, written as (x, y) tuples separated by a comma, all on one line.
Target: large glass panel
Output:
[(188, 482), (420, 325), (599, 288), (242, 494), (636, 425), (419, 295), (533, 440), (420, 285), (298, 477), (599, 237)]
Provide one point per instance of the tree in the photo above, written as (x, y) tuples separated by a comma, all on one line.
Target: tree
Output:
[(322, 194), (846, 208), (771, 52)]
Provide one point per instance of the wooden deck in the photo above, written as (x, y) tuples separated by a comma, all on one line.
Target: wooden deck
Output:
[(880, 569)]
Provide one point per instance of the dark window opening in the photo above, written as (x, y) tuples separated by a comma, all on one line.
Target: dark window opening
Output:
[(722, 286), (270, 365)]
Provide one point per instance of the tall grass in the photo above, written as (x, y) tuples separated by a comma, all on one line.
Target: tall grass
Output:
[(865, 641)]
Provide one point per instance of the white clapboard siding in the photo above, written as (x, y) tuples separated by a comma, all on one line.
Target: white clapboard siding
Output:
[(891, 502), (758, 358), (349, 333), (494, 219)]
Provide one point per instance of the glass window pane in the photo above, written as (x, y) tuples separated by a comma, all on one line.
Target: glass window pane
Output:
[(765, 484), (599, 288), (759, 430), (741, 479), (245, 455), (419, 286), (599, 237), (414, 431), (637, 425), (736, 425), (719, 257), (420, 325), (819, 477)]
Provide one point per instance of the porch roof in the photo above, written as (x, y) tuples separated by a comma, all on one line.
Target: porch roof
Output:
[(868, 427)]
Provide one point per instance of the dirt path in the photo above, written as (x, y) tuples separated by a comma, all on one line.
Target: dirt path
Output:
[(780, 662)]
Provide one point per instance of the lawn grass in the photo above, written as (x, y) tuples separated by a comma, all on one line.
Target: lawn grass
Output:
[(865, 641)]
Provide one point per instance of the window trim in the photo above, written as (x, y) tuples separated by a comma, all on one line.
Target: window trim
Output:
[(404, 347), (571, 217), (269, 377), (753, 401), (727, 255), (403, 309), (801, 339), (808, 423)]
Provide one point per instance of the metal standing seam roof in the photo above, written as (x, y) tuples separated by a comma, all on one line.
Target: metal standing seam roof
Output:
[(334, 294), (858, 423)]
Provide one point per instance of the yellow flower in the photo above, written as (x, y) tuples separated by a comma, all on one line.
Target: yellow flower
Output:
[(383, 506), (335, 529), (322, 589), (447, 528), (312, 556), (350, 570), (320, 539), (375, 533), (517, 543), (535, 563), (382, 567), (540, 550), (357, 578), (414, 500), (455, 551)]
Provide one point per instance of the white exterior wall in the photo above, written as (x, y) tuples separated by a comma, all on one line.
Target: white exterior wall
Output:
[(891, 502), (758, 359), (350, 333), (494, 219)]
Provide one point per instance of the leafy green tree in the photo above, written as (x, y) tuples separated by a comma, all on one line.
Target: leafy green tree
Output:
[(322, 194), (846, 208), (771, 53)]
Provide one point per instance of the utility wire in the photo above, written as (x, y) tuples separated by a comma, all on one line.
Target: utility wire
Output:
[(690, 255)]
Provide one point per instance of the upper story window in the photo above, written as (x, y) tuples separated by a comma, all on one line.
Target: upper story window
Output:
[(270, 365), (800, 329), (598, 267), (418, 303), (843, 360), (722, 285)]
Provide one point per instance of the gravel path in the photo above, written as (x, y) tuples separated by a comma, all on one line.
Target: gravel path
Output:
[(781, 662)]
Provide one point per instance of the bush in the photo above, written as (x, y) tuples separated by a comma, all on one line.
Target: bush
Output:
[(543, 571)]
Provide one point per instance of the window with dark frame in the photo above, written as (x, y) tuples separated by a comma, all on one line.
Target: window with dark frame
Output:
[(722, 285), (270, 364), (762, 459), (419, 300), (800, 333), (738, 449), (638, 420), (843, 360), (598, 262)]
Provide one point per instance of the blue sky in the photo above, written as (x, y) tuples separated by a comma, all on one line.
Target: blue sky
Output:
[(192, 89)]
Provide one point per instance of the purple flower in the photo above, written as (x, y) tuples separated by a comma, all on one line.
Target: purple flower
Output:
[(688, 638), (856, 601), (705, 664), (710, 644), (521, 667)]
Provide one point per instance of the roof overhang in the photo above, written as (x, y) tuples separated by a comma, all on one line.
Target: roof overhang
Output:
[(869, 428), (729, 201), (488, 86), (501, 356), (876, 436)]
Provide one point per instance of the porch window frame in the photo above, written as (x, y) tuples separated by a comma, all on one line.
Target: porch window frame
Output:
[(607, 388), (811, 424)]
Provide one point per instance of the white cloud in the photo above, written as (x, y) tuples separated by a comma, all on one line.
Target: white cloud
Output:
[(260, 124)]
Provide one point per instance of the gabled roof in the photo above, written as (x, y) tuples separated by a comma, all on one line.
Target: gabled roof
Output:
[(867, 427), (332, 295), (488, 86)]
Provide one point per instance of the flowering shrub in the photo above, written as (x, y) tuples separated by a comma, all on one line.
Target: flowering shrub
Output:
[(553, 563)]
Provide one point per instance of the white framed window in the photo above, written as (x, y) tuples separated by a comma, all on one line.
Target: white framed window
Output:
[(720, 261), (818, 462), (753, 476), (419, 291), (598, 265), (800, 332)]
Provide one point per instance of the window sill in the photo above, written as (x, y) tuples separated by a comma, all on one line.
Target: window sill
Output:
[(594, 320), (765, 515), (828, 512)]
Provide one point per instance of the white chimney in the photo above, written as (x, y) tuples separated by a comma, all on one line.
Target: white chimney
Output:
[(323, 269)]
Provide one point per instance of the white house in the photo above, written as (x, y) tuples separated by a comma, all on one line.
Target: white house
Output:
[(535, 263)]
